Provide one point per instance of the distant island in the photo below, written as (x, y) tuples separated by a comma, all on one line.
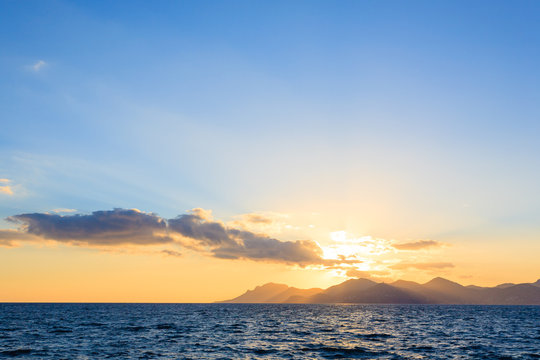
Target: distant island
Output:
[(365, 291)]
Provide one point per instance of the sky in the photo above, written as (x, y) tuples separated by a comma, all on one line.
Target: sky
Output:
[(183, 151)]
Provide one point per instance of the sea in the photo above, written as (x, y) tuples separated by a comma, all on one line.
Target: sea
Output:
[(268, 331)]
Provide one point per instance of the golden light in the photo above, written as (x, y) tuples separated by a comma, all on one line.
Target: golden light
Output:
[(351, 248)]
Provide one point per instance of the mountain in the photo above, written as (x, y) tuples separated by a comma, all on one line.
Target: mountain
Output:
[(448, 292), (294, 292), (344, 292), (423, 292), (260, 293), (521, 294), (365, 291), (505, 285), (475, 287), (272, 293)]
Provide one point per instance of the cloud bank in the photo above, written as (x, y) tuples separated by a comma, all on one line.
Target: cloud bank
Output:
[(230, 243), (113, 227), (196, 230), (8, 237)]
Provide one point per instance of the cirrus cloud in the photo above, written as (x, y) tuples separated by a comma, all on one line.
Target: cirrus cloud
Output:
[(418, 245), (423, 266), (38, 65)]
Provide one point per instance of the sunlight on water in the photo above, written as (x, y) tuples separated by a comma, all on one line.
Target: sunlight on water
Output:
[(291, 331)]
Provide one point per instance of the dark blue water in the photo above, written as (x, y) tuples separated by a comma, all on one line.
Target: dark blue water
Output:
[(280, 331)]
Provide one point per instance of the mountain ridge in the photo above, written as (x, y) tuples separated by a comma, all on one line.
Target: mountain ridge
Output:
[(366, 291), (271, 293)]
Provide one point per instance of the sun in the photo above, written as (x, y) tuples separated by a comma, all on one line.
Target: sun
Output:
[(354, 253), (346, 247)]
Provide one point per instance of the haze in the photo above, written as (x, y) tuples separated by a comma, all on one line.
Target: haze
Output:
[(188, 151)]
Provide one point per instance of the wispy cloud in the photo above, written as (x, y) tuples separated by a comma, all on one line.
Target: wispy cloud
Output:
[(372, 274), (9, 237), (171, 253), (38, 65), (257, 218), (423, 266), (6, 189), (59, 211), (350, 247), (418, 245), (267, 222)]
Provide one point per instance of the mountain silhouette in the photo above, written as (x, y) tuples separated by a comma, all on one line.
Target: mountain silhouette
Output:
[(365, 291), (344, 292), (272, 293)]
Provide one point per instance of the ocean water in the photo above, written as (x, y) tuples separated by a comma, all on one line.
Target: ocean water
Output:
[(268, 331)]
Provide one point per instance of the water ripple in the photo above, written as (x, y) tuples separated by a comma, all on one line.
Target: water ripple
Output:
[(271, 331)]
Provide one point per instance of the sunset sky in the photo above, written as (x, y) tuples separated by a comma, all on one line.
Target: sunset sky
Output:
[(187, 151)]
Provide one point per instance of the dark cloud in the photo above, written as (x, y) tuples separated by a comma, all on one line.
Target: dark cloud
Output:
[(418, 245), (197, 229), (6, 238), (423, 266), (230, 243), (9, 237), (260, 247), (113, 227), (171, 253)]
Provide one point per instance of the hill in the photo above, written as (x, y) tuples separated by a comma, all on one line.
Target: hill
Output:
[(365, 291), (272, 293)]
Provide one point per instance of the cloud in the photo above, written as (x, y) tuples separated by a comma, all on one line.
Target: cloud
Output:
[(195, 230), (423, 266), (257, 218), (5, 189), (261, 247), (38, 65), (268, 222), (118, 226), (8, 237), (418, 245), (64, 210), (230, 243), (349, 247), (377, 274), (6, 243), (171, 253), (195, 226)]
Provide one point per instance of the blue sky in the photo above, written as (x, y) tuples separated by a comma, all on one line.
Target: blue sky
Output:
[(400, 119)]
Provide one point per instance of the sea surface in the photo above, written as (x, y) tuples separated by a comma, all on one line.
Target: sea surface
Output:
[(268, 331)]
